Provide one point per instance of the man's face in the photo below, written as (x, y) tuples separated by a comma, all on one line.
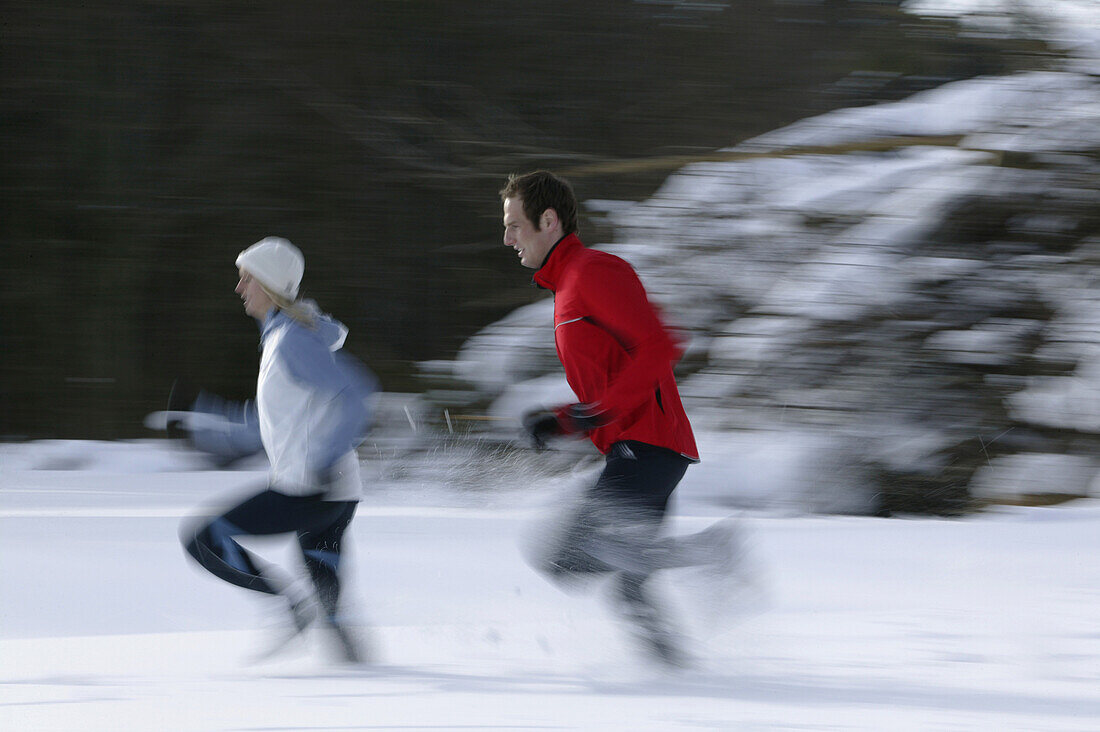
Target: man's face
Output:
[(531, 244), (256, 301)]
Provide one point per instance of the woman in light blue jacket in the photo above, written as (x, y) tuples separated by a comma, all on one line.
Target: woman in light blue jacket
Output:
[(312, 411)]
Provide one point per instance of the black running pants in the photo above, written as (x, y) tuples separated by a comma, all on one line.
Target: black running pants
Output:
[(318, 524), (622, 512)]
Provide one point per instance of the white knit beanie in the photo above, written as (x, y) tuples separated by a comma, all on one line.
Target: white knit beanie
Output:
[(276, 263)]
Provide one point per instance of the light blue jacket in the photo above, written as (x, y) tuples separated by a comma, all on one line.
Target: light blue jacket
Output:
[(312, 409), (313, 406)]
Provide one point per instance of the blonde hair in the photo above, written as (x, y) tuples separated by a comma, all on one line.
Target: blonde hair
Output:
[(294, 308)]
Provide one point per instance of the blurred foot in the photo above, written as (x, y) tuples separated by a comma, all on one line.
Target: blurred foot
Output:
[(646, 622), (346, 640), (726, 548), (295, 618), (724, 585)]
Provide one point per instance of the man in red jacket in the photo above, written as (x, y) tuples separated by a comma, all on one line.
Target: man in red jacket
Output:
[(618, 359)]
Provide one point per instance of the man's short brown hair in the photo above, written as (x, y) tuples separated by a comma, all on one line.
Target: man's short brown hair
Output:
[(540, 190)]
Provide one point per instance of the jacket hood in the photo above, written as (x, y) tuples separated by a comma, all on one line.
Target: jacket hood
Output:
[(330, 331)]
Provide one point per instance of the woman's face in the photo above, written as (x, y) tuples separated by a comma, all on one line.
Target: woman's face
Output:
[(256, 301)]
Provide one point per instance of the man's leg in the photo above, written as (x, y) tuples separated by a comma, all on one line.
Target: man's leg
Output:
[(616, 524), (630, 502), (637, 486)]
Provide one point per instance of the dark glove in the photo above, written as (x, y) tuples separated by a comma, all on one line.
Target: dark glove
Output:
[(575, 418), (540, 425)]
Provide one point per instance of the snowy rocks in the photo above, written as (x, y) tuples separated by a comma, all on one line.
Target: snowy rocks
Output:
[(1036, 478), (902, 322)]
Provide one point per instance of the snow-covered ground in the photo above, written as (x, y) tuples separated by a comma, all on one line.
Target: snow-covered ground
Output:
[(990, 622)]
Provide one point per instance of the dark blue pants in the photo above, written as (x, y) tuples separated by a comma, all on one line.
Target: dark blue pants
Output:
[(318, 524), (622, 512)]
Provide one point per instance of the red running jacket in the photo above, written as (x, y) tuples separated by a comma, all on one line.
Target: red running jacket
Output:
[(616, 352)]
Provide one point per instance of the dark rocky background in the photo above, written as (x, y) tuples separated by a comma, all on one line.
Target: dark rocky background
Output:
[(147, 143)]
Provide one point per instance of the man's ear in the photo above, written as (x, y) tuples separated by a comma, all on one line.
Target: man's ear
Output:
[(548, 218)]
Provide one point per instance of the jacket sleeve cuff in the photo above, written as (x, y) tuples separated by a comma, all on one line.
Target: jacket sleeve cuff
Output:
[(576, 418)]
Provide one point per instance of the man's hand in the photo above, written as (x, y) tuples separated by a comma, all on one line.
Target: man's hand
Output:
[(540, 425)]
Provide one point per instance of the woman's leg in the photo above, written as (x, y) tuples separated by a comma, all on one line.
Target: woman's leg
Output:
[(213, 545), (321, 542)]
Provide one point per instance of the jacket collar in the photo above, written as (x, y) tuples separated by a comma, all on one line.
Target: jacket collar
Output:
[(549, 274), (275, 316)]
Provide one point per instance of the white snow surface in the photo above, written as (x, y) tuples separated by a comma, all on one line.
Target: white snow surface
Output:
[(990, 622)]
